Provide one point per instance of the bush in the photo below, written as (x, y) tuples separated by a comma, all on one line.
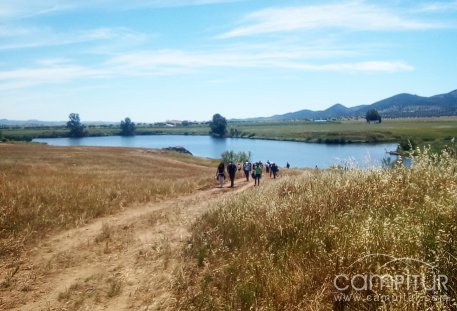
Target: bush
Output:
[(232, 156), (407, 145)]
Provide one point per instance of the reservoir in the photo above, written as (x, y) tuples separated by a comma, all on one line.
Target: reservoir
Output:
[(298, 154)]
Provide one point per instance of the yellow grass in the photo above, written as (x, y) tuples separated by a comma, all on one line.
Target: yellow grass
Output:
[(43, 189), (280, 246)]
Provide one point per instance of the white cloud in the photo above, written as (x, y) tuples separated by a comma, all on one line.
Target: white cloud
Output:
[(23, 8), (355, 15), (173, 61), (44, 36), (368, 66), (26, 8), (12, 32), (49, 74), (170, 3), (178, 62), (438, 7)]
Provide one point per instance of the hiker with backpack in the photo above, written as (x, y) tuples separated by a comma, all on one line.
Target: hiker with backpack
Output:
[(257, 174), (247, 169), (231, 168), (220, 174)]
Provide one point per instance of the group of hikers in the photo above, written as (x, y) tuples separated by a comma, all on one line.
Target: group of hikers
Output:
[(253, 170)]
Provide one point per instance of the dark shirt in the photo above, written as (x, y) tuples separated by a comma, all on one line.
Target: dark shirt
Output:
[(231, 168), (220, 170)]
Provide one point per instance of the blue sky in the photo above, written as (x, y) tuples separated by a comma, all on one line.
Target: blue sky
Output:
[(155, 60)]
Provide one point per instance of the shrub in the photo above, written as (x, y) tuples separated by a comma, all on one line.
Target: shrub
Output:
[(232, 156)]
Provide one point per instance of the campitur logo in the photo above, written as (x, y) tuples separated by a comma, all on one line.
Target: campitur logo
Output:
[(389, 279)]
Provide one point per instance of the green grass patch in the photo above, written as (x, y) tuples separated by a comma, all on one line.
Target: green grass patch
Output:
[(435, 131)]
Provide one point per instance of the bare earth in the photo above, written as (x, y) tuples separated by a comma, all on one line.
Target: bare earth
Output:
[(127, 261)]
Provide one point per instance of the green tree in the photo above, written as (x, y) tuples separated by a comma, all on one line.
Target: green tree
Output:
[(373, 115), (407, 144), (75, 126), (234, 157), (127, 127), (218, 125)]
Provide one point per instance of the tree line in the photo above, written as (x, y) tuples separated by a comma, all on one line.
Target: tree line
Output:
[(218, 126), (77, 129)]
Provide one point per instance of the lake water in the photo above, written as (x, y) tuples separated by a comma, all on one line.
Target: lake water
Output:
[(298, 154)]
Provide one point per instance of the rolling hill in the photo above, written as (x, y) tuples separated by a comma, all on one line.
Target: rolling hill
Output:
[(398, 106)]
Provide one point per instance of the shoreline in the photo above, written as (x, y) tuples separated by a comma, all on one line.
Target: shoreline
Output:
[(337, 141), (308, 141), (435, 132)]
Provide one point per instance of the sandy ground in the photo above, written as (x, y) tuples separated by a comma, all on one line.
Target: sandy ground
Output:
[(127, 261)]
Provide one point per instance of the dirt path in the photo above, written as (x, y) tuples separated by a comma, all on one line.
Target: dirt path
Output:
[(127, 261)]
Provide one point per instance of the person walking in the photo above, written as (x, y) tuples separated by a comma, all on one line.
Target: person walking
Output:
[(231, 168), (247, 169), (257, 174), (220, 174), (274, 169), (288, 165)]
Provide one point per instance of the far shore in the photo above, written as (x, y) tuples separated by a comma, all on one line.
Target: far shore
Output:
[(436, 132)]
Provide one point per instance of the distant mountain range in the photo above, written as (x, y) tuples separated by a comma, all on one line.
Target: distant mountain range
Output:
[(38, 123), (398, 106), (6, 122)]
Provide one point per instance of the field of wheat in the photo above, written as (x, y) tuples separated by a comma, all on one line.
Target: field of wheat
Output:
[(281, 246), (44, 189)]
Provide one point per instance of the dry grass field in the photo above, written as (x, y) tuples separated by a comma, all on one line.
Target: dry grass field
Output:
[(87, 228), (44, 189), (280, 247), (133, 229)]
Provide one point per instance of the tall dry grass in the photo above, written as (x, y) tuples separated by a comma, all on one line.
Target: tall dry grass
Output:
[(280, 246), (45, 188)]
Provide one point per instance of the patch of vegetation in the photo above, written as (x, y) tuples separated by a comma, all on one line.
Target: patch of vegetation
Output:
[(77, 129), (50, 188), (218, 125), (280, 246), (128, 127), (235, 157), (373, 115), (433, 131)]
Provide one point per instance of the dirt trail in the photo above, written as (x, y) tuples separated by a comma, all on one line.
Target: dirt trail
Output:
[(126, 261)]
